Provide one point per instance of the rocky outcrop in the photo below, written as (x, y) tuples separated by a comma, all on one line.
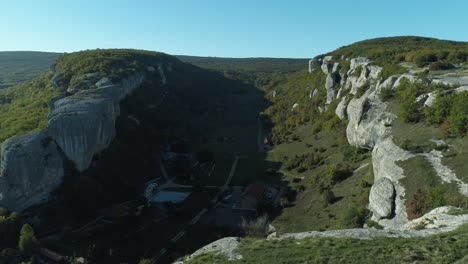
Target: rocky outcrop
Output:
[(326, 65), (341, 108), (314, 63), (381, 197), (368, 120), (31, 166), (385, 156), (226, 246), (84, 124), (361, 73), (437, 218), (330, 87)]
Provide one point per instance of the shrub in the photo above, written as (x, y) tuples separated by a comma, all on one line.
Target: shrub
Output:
[(373, 224), (451, 113), (354, 154), (410, 112), (328, 196), (417, 206), (27, 241), (354, 217), (441, 65), (256, 227), (386, 94)]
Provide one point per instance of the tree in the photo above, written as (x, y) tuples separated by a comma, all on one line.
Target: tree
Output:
[(27, 241)]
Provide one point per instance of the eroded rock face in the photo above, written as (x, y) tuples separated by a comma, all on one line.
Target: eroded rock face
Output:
[(341, 108), (330, 87), (368, 120), (84, 124), (385, 156), (31, 167), (381, 198), (409, 77), (313, 63), (326, 65)]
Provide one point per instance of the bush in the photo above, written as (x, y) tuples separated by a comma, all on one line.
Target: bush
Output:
[(417, 206), (328, 197), (256, 227), (410, 112), (441, 65), (354, 217), (386, 94), (373, 224), (354, 154), (333, 174), (451, 113), (303, 162), (27, 240)]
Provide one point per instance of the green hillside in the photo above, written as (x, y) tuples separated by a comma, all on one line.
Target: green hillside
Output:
[(18, 66), (419, 50)]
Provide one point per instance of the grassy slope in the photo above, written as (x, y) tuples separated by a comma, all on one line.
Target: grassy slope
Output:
[(24, 107), (18, 66), (443, 248)]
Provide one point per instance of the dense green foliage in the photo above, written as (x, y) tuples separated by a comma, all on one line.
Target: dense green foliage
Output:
[(451, 113), (24, 107), (442, 248), (247, 64), (18, 66), (419, 50)]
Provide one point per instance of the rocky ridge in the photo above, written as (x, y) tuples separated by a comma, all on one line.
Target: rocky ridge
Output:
[(370, 125)]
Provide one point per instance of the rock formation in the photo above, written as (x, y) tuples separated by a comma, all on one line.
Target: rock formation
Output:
[(30, 167), (79, 126), (84, 124)]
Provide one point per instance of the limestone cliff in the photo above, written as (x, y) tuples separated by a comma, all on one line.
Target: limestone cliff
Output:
[(84, 124), (80, 125)]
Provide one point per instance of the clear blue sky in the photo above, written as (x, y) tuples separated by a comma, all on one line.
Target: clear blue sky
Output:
[(228, 28)]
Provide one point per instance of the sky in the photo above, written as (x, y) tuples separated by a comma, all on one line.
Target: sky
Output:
[(223, 28)]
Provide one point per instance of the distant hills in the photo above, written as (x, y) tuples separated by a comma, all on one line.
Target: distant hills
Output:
[(246, 64), (18, 66)]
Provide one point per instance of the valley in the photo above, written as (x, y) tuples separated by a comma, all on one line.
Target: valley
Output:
[(136, 156)]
